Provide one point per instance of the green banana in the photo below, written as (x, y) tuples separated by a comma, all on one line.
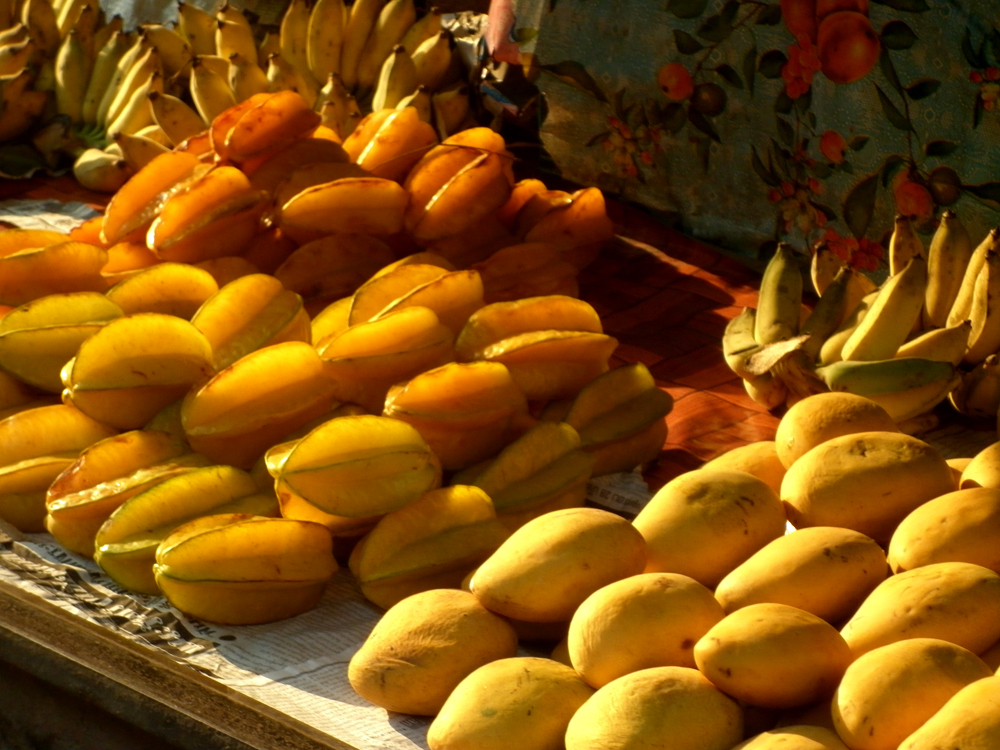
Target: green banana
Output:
[(738, 343), (829, 313), (912, 402), (978, 395), (882, 376), (824, 267), (780, 300), (984, 339), (963, 300), (903, 245), (947, 259)]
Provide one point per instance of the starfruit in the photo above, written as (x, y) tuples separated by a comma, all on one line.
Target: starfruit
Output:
[(71, 266), (530, 269), (169, 288), (389, 142), (352, 205), (307, 151)]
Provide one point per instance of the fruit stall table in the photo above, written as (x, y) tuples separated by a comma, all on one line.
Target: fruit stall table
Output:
[(665, 297)]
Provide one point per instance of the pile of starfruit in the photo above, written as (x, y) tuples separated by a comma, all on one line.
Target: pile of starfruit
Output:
[(270, 357)]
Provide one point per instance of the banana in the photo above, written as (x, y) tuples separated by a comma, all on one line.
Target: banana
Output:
[(8, 15), (425, 27), (294, 32), (963, 300), (198, 28), (72, 75), (178, 120), (283, 77), (947, 258), (796, 371), (944, 344), (433, 60), (139, 48), (333, 103), (100, 171), (354, 116), (978, 395), (421, 101), (137, 150), (136, 78), (984, 339), (832, 348), (833, 307), (15, 56), (175, 52), (738, 343), (880, 376), (780, 300), (43, 27), (20, 106), (825, 265), (86, 28), (67, 14), (451, 107), (137, 113), (246, 77), (892, 315), (209, 91), (908, 404), (359, 27), (325, 38), (397, 80), (766, 390), (234, 38), (269, 45), (154, 132), (393, 20), (105, 65), (16, 33), (104, 32), (233, 14), (903, 245)]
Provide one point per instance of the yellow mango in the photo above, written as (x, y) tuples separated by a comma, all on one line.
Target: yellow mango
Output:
[(255, 402), (39, 338), (983, 470), (794, 737), (642, 708), (167, 288), (759, 458), (70, 266), (546, 568), (647, 620), (960, 526), (522, 701), (365, 360), (958, 465), (825, 570), (352, 205), (887, 693), (704, 523), (356, 466), (954, 601), (465, 412), (824, 416), (251, 313), (866, 481), (433, 542), (773, 656), (424, 646), (971, 719)]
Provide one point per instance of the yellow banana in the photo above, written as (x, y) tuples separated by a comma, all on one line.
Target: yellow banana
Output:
[(325, 38), (7, 13), (795, 370), (943, 344), (978, 395), (137, 150), (333, 103), (825, 265), (86, 27), (269, 45), (175, 52), (137, 77), (67, 14), (425, 27), (398, 79), (294, 32), (832, 348), (132, 55), (767, 390), (105, 65), (103, 32), (451, 107), (433, 60), (984, 339), (947, 258), (890, 319), (198, 28), (779, 302), (20, 106), (877, 377), (738, 343), (154, 132), (100, 171), (246, 77), (178, 120), (421, 101), (234, 39), (283, 77), (912, 402), (72, 75), (137, 113), (359, 27), (833, 307), (16, 33), (903, 245), (393, 20), (963, 300), (232, 14), (43, 27), (15, 56), (209, 91)]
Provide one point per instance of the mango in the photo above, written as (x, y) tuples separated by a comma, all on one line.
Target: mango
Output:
[(887, 693), (642, 708), (794, 737), (824, 416), (759, 458), (424, 646), (546, 568), (866, 481), (970, 719), (523, 701), (953, 601), (704, 523), (773, 656), (647, 620), (824, 570), (983, 470), (960, 526)]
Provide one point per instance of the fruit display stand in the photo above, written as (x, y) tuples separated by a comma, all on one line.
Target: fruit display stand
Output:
[(664, 297)]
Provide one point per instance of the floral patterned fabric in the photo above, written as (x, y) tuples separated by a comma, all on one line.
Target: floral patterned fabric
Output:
[(756, 121)]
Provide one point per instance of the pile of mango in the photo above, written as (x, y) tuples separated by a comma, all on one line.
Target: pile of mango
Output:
[(704, 624), (271, 346)]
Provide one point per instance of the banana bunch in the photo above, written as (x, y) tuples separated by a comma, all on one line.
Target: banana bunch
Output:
[(929, 332)]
